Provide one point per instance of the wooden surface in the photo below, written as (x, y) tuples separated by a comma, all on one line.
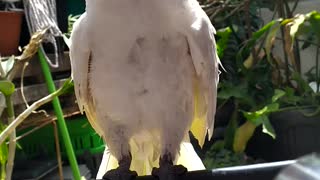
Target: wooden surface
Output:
[(33, 92), (38, 91), (34, 68), (35, 88)]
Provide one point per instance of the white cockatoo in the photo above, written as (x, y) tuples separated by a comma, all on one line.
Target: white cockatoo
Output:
[(146, 72)]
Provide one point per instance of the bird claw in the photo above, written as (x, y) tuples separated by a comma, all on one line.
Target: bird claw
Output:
[(169, 172), (120, 174)]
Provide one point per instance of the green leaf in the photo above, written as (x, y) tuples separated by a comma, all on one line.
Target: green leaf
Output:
[(231, 129), (268, 128), (7, 87), (218, 145), (7, 65), (302, 84), (228, 90), (308, 35), (3, 149), (222, 42), (290, 96), (3, 154), (272, 107), (67, 87), (315, 22), (257, 117), (278, 93), (256, 35), (261, 32), (286, 21), (296, 23), (243, 135), (270, 39)]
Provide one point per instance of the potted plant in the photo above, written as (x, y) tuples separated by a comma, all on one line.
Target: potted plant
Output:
[(10, 23), (241, 89), (296, 122), (264, 87), (270, 92)]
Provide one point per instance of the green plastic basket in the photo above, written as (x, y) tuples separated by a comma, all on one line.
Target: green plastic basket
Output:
[(41, 142)]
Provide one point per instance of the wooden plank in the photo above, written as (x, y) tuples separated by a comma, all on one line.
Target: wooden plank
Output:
[(36, 92), (33, 92), (34, 68)]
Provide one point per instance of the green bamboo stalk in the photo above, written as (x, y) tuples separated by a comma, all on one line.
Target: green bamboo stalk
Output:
[(61, 122)]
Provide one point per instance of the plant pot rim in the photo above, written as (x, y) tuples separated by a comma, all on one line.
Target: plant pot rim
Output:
[(12, 11)]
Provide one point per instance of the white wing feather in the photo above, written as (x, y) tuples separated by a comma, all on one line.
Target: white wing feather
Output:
[(205, 59), (79, 56)]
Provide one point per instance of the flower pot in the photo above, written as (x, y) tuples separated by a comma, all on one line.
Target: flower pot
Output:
[(10, 27), (297, 135)]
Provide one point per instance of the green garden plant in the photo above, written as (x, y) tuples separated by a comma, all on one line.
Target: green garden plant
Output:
[(259, 83)]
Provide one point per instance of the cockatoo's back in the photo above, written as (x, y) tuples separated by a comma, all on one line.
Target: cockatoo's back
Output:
[(144, 71)]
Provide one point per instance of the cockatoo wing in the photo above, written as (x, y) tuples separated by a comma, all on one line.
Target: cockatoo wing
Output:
[(203, 51), (80, 57)]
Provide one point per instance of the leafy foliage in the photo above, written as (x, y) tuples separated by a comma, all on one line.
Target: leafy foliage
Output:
[(223, 158), (256, 80), (71, 20), (219, 157)]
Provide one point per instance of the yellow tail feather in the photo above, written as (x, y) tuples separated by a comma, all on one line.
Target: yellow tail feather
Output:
[(187, 157), (199, 123)]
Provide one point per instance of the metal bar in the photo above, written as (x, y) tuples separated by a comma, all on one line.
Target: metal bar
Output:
[(263, 171)]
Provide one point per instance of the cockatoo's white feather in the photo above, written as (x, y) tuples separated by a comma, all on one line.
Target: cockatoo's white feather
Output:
[(146, 72)]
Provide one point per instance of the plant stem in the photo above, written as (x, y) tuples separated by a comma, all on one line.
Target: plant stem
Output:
[(248, 24), (282, 15), (296, 46), (232, 127), (11, 127), (58, 150), (12, 142), (3, 172), (317, 67), (302, 40), (295, 6)]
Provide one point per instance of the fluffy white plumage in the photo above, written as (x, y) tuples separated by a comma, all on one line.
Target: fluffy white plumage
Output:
[(141, 68)]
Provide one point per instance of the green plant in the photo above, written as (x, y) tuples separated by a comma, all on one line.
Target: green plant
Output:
[(71, 20), (260, 83), (296, 92), (247, 89), (7, 89), (8, 68)]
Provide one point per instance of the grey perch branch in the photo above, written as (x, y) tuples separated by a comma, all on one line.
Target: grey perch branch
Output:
[(264, 171)]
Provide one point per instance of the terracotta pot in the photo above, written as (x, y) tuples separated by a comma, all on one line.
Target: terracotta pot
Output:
[(10, 27)]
